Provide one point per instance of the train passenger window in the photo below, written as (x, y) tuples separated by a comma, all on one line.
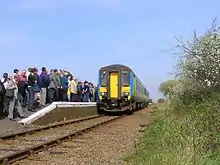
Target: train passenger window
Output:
[(103, 78), (138, 87), (125, 77)]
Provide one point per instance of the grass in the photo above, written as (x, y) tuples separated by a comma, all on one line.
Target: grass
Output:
[(178, 138)]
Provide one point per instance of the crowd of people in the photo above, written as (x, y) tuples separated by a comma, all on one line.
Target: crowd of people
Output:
[(29, 90)]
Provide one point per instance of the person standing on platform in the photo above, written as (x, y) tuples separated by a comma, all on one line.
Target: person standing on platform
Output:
[(2, 96), (43, 84), (64, 86), (57, 82), (86, 92), (31, 83), (11, 96), (79, 92), (73, 89), (92, 93)]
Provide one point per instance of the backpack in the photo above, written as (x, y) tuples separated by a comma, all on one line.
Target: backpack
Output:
[(2, 89)]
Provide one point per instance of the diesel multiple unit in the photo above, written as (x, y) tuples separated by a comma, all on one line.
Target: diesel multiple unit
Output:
[(119, 89)]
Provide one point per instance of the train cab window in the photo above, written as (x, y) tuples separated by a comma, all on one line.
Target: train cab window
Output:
[(125, 77), (103, 78)]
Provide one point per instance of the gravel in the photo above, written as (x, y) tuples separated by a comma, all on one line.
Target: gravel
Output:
[(15, 128), (22, 142), (105, 145)]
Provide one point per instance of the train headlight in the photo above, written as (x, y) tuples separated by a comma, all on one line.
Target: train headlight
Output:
[(103, 93), (125, 93)]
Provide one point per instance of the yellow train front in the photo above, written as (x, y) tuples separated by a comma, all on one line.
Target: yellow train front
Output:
[(119, 89)]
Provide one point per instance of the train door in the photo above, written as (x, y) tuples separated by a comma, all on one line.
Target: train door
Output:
[(114, 84)]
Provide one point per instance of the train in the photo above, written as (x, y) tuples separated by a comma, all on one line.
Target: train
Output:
[(119, 89)]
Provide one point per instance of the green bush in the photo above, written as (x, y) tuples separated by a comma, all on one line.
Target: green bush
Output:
[(187, 133), (198, 70), (161, 100)]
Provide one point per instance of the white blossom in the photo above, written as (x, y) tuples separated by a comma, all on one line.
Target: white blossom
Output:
[(199, 67)]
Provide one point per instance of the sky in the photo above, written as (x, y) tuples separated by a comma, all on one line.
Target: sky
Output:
[(84, 35)]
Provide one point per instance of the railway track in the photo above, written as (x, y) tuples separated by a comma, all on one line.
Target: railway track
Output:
[(18, 146), (60, 124)]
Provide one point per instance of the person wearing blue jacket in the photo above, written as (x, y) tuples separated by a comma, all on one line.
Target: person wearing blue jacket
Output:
[(64, 86), (43, 84)]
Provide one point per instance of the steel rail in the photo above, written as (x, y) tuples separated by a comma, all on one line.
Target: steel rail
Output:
[(9, 159), (31, 131)]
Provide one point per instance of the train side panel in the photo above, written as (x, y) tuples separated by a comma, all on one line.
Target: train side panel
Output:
[(141, 94), (135, 86)]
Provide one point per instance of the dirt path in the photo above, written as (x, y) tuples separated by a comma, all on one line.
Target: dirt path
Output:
[(103, 146)]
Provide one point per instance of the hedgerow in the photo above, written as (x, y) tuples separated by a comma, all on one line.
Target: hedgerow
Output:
[(187, 132), (198, 69)]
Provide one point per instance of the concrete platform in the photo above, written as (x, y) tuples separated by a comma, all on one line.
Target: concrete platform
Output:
[(7, 125), (60, 111)]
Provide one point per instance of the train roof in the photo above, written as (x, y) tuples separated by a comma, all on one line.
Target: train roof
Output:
[(116, 66)]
